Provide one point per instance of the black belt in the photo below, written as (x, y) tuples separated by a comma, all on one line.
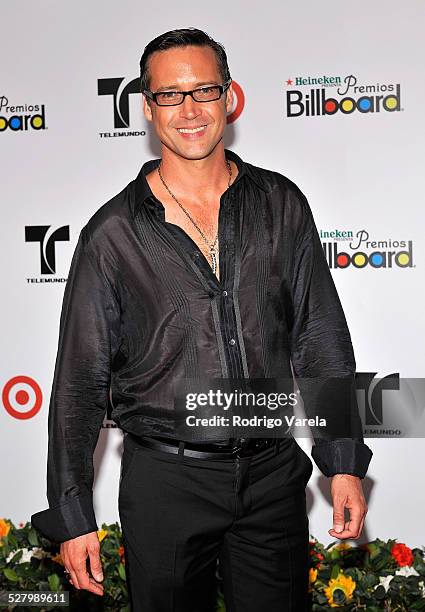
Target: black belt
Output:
[(242, 447)]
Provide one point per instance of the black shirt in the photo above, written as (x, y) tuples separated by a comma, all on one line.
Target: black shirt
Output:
[(142, 309)]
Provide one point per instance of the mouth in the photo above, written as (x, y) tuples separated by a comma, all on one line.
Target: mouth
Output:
[(190, 131)]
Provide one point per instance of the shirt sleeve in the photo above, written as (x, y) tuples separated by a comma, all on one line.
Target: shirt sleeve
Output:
[(80, 397), (322, 356)]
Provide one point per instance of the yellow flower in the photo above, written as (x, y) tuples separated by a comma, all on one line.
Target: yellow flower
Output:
[(101, 534), (311, 578), (4, 528), (341, 546), (342, 583)]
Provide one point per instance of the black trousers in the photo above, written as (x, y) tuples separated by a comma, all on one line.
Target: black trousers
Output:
[(179, 515)]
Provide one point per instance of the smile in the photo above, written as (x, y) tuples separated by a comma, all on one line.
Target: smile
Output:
[(191, 130)]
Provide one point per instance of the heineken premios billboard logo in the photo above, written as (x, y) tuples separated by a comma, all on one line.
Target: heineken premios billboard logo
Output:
[(308, 96), (21, 117), (359, 251)]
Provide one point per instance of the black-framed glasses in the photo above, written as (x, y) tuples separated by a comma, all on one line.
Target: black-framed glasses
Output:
[(202, 94)]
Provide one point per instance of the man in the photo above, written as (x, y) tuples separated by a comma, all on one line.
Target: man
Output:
[(205, 266)]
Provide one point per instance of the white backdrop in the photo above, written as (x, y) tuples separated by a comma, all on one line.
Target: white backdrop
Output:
[(361, 171)]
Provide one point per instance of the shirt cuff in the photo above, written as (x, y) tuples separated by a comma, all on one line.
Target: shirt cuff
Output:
[(342, 456), (69, 520)]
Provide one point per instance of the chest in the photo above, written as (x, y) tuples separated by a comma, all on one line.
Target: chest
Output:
[(202, 228)]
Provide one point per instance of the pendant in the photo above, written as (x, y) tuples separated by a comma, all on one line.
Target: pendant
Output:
[(213, 259)]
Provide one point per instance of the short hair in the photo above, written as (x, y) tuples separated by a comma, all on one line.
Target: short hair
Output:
[(182, 38)]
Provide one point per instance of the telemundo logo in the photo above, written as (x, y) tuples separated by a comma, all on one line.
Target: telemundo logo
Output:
[(21, 117)]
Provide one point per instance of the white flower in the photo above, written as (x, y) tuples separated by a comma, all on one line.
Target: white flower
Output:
[(422, 587), (39, 553), (407, 570), (385, 581), (27, 553)]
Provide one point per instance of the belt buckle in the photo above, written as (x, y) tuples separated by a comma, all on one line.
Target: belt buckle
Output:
[(241, 444)]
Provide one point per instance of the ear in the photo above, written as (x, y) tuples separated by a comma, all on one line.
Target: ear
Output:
[(229, 98), (147, 110)]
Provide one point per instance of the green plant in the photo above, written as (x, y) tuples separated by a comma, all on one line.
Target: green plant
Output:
[(379, 575)]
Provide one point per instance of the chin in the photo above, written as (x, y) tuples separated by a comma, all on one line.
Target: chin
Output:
[(199, 151), (195, 154)]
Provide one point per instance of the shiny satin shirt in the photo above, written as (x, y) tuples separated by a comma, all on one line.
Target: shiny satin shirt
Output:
[(142, 309)]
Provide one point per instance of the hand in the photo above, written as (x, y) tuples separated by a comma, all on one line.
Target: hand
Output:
[(74, 555), (347, 492)]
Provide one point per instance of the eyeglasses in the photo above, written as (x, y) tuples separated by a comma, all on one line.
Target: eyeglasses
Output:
[(202, 94)]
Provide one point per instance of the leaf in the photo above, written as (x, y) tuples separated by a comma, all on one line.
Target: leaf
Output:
[(12, 539), (54, 582), (121, 571), (380, 592), (220, 606), (33, 537), (374, 550), (10, 574), (367, 580), (335, 571), (22, 569), (321, 599), (16, 557)]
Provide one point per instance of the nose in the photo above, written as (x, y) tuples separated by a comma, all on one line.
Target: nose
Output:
[(189, 109)]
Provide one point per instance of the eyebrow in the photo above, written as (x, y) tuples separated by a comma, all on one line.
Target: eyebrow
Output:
[(175, 87)]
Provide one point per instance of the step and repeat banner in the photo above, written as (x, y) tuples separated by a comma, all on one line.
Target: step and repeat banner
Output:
[(329, 95)]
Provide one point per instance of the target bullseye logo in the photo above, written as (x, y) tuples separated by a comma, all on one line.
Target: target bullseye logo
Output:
[(240, 103), (22, 397)]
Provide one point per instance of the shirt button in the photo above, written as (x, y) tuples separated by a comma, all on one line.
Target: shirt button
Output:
[(224, 293), (196, 253), (232, 341)]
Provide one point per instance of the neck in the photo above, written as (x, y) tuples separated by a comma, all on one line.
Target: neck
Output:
[(190, 177)]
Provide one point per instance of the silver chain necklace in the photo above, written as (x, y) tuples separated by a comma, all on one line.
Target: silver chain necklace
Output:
[(212, 247)]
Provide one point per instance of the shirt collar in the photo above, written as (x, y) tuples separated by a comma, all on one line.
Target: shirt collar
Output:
[(143, 190)]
